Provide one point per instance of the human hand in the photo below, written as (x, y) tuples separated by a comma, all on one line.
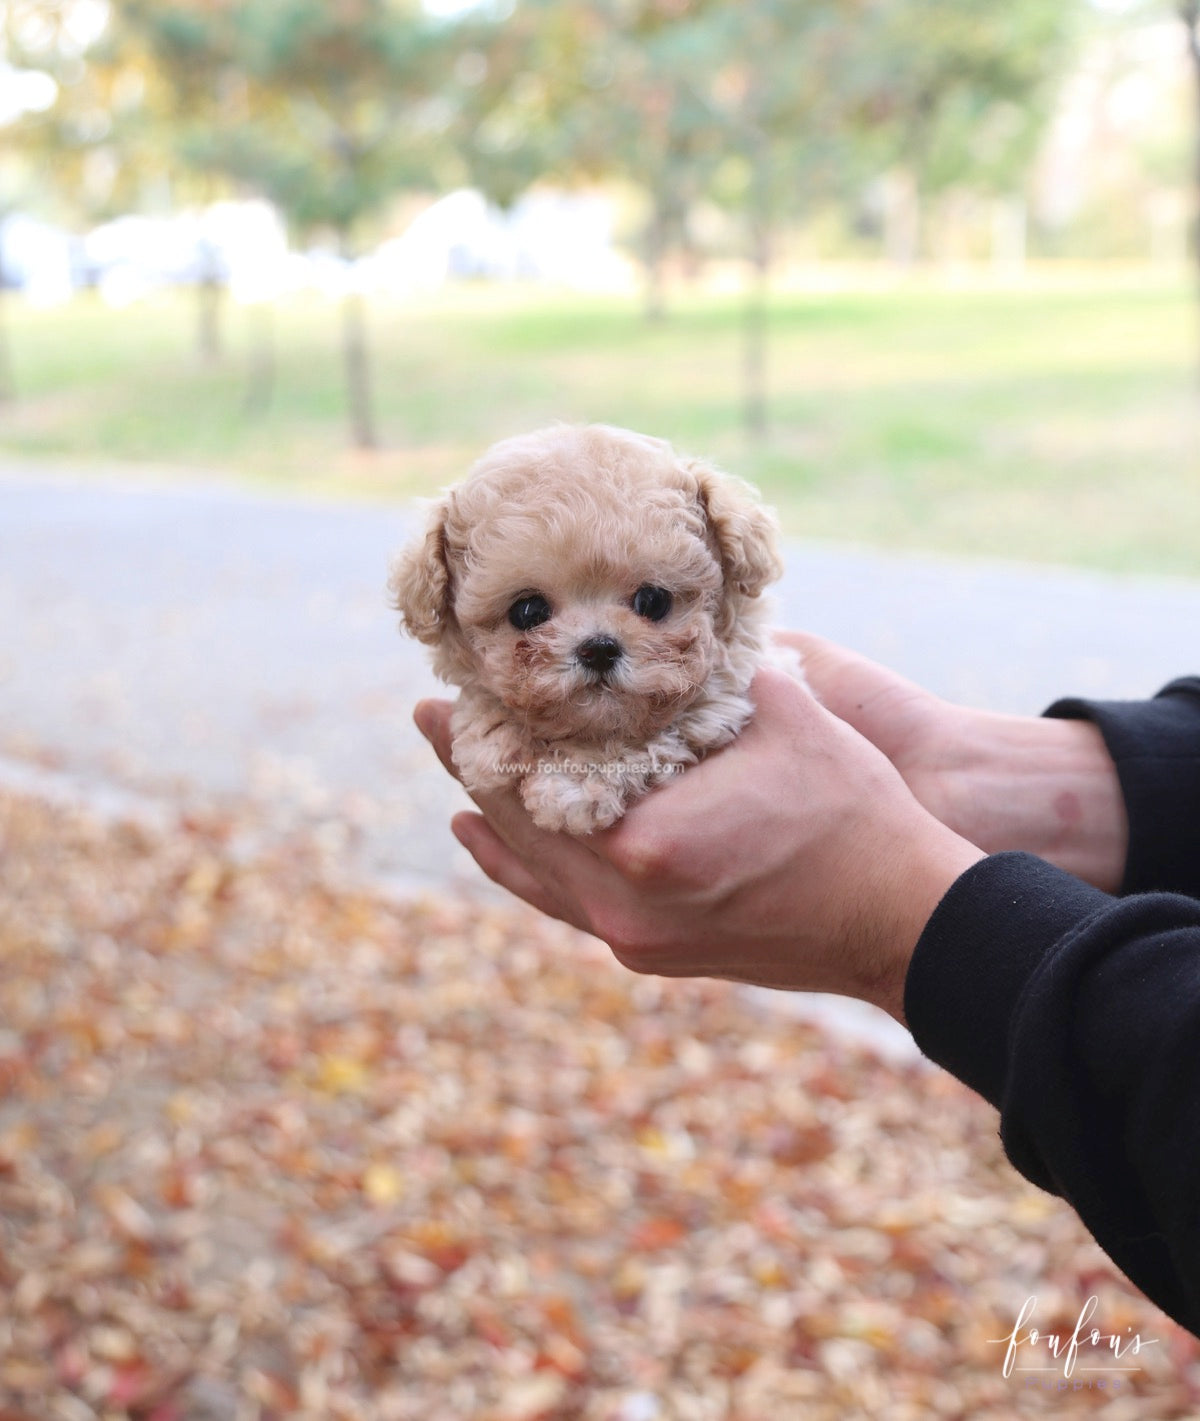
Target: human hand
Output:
[(794, 858), (1048, 787)]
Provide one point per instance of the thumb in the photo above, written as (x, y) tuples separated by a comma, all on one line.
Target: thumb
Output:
[(885, 707)]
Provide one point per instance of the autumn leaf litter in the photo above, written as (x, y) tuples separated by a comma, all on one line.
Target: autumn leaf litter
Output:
[(272, 1146)]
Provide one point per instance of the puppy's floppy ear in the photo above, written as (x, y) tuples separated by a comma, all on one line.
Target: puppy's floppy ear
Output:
[(419, 581), (744, 532)]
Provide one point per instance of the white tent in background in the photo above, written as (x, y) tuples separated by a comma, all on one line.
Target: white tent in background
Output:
[(36, 258), (559, 237)]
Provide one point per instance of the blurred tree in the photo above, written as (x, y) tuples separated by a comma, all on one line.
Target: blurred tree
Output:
[(345, 106), (114, 138), (820, 94), (327, 110), (781, 87), (594, 89), (956, 93), (44, 40), (652, 109), (523, 83), (181, 51), (769, 106)]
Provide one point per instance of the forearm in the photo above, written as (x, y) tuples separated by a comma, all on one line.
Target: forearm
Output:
[(1108, 790), (1155, 748), (1045, 787)]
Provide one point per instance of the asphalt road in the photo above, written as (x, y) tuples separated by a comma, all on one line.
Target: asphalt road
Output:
[(202, 643)]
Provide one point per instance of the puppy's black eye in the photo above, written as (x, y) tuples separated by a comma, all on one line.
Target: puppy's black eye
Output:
[(527, 612), (653, 603)]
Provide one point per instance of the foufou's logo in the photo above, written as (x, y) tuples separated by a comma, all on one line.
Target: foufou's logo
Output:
[(1086, 1349)]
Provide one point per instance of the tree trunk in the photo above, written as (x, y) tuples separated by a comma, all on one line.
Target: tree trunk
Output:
[(1009, 235), (655, 258), (755, 317), (358, 374), (208, 322), (210, 287), (901, 218), (8, 387), (260, 377), (757, 290)]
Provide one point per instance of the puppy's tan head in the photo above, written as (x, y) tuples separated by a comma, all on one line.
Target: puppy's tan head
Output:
[(588, 577)]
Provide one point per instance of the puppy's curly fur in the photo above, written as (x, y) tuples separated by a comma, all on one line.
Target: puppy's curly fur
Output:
[(597, 598)]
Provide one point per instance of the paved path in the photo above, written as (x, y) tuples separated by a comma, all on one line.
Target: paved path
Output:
[(208, 641)]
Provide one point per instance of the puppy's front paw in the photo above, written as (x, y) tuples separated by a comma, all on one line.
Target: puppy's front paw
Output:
[(560, 802)]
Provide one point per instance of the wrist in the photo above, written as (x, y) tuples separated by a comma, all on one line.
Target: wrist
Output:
[(918, 874)]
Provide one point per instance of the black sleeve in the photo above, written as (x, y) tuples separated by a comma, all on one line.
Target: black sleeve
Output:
[(1156, 748), (1078, 1016)]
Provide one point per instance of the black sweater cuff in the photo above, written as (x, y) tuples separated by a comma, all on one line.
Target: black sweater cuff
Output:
[(985, 939), (1155, 746)]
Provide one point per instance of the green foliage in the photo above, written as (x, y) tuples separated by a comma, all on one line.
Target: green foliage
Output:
[(328, 110), (765, 107), (964, 85), (685, 94), (766, 110), (101, 140)]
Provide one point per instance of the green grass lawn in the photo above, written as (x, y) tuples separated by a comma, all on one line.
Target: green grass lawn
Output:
[(1045, 423)]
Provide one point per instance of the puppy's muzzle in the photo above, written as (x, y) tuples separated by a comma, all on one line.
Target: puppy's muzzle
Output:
[(599, 654)]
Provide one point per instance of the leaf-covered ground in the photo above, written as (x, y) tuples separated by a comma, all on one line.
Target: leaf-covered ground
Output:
[(272, 1147)]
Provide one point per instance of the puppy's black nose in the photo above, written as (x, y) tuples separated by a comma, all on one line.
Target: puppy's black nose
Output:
[(599, 653)]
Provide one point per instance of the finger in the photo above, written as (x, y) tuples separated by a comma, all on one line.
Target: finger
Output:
[(782, 707), (827, 665), (877, 701), (807, 643), (679, 840), (671, 808), (503, 866), (432, 719), (555, 873), (503, 808)]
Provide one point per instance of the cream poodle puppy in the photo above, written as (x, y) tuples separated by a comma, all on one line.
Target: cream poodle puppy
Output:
[(598, 600)]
